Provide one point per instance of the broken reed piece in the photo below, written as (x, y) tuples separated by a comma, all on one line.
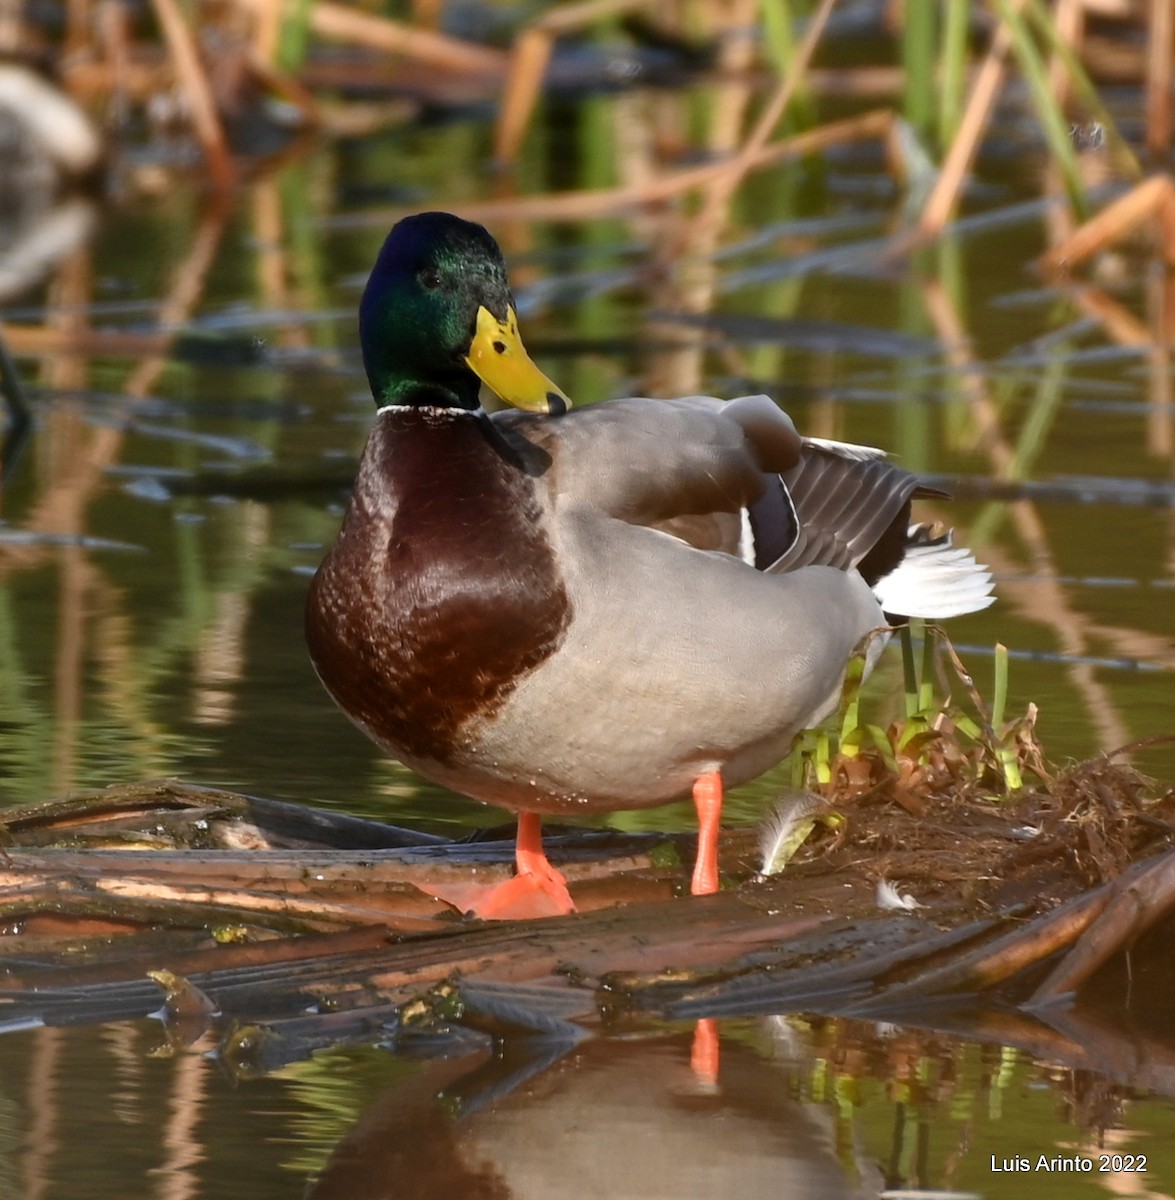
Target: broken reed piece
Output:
[(1153, 199), (732, 173), (194, 81), (587, 203), (346, 24), (528, 66), (985, 91), (1160, 61), (267, 24)]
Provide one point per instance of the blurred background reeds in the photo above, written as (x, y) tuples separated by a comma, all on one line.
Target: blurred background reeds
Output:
[(942, 227)]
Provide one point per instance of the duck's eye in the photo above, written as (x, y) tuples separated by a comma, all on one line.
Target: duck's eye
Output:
[(430, 279)]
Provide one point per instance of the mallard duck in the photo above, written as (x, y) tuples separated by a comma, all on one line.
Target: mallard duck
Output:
[(569, 612)]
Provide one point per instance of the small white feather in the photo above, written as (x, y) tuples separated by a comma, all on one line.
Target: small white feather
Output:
[(889, 898), (787, 827)]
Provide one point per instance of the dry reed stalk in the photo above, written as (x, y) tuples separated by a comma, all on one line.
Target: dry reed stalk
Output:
[(1154, 198), (1041, 599), (267, 24), (273, 269), (345, 24), (688, 271), (12, 37), (733, 172), (194, 82), (1115, 10), (79, 21), (569, 18), (116, 78), (426, 14), (1069, 18), (71, 296), (48, 341), (587, 204), (736, 59), (956, 341), (944, 197), (1160, 421), (528, 65), (114, 37), (1112, 60), (75, 575), (186, 287), (1159, 65), (859, 82), (1161, 304), (1121, 326), (285, 86), (113, 662)]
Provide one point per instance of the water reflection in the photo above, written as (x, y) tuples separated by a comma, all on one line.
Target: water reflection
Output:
[(800, 1107), (614, 1118)]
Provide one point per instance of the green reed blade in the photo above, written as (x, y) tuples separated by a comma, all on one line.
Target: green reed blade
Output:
[(1005, 744), (1127, 160), (1048, 111), (953, 81), (779, 24), (919, 59), (909, 671)]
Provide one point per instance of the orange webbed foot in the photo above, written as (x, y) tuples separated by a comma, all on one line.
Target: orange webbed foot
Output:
[(528, 894), (536, 890)]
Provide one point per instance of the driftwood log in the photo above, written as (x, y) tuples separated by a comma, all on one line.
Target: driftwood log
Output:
[(270, 930)]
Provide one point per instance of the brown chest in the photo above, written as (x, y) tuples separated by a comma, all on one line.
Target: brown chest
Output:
[(441, 592)]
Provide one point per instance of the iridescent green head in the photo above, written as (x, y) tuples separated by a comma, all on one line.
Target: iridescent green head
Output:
[(437, 319)]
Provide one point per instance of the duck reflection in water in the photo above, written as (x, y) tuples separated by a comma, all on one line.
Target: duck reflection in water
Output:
[(612, 1118)]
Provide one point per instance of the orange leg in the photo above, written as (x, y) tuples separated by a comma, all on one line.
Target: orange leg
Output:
[(537, 890), (529, 856), (708, 802)]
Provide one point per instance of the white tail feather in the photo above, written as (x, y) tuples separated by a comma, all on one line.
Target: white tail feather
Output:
[(935, 580)]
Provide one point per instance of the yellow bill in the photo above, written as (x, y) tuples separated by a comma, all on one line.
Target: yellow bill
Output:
[(499, 359)]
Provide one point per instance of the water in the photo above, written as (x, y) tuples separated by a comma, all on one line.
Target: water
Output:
[(803, 1108), (157, 537), (172, 644)]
